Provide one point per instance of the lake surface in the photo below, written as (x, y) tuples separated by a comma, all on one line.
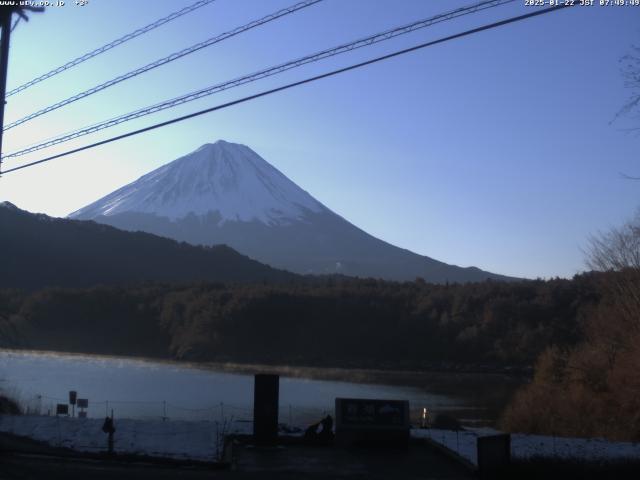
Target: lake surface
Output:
[(145, 389)]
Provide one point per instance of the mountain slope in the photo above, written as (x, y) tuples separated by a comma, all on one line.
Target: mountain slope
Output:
[(230, 179), (41, 251), (226, 193)]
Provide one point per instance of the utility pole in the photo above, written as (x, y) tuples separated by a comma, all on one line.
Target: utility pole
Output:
[(5, 22), (5, 14)]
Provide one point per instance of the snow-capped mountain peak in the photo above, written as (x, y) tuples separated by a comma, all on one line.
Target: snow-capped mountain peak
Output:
[(222, 177), (225, 193)]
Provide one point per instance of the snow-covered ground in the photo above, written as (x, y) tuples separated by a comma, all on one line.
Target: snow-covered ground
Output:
[(200, 440), (174, 439), (525, 446)]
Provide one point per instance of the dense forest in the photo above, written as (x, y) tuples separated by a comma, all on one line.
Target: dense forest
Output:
[(333, 322)]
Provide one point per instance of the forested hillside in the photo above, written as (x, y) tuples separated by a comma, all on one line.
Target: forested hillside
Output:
[(592, 388), (337, 322), (40, 251)]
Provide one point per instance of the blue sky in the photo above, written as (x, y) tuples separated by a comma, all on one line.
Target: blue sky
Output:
[(495, 150)]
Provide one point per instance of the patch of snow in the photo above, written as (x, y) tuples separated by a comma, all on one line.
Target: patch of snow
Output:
[(227, 178), (526, 446), (172, 439), (464, 443), (199, 440)]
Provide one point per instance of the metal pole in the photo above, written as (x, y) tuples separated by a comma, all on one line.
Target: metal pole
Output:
[(4, 64), (111, 435)]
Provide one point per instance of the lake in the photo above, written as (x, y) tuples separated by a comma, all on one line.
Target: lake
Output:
[(145, 389)]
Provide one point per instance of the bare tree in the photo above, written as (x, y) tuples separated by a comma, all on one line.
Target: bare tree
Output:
[(631, 73), (616, 250), (593, 387), (630, 69)]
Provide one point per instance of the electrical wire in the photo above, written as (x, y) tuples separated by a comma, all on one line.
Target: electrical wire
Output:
[(298, 83), (110, 45), (327, 53), (164, 60)]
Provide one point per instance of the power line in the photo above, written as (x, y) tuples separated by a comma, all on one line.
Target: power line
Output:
[(298, 83), (163, 61), (112, 44), (330, 52), (324, 54)]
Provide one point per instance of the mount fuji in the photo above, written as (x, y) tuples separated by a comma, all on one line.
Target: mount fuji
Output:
[(225, 193)]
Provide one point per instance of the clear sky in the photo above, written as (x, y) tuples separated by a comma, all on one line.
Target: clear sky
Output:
[(495, 150)]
